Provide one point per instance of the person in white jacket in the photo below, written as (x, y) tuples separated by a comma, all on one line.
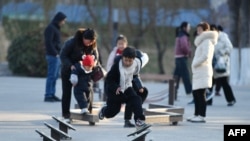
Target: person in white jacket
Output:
[(202, 70), (222, 52)]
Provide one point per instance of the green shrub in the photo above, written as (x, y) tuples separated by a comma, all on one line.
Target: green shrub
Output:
[(26, 55)]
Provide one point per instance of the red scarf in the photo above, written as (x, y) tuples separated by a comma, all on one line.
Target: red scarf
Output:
[(119, 52)]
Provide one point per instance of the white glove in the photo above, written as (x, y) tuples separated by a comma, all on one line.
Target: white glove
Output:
[(73, 79), (144, 59)]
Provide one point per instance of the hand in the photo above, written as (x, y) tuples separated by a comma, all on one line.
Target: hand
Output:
[(72, 67), (141, 90), (118, 91)]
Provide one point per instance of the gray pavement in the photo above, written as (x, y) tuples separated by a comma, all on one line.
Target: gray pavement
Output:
[(22, 110)]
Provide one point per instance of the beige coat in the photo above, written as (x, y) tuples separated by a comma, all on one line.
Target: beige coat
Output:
[(202, 69)]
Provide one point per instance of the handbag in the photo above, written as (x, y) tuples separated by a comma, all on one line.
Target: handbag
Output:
[(98, 73), (221, 65)]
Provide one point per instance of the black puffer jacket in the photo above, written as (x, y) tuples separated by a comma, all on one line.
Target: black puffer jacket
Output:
[(72, 54), (52, 35), (112, 81)]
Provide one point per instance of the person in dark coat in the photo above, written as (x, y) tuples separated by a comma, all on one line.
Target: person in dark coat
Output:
[(119, 89), (142, 91), (83, 43), (53, 46)]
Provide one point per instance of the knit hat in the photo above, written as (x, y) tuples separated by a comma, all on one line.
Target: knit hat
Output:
[(88, 60)]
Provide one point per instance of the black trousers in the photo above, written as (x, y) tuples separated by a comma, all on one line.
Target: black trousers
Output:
[(66, 92), (129, 97), (128, 109), (223, 81), (200, 105)]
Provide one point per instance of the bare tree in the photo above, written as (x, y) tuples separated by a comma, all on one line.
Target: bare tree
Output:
[(244, 22), (234, 6), (48, 5), (106, 38), (158, 34), (141, 28)]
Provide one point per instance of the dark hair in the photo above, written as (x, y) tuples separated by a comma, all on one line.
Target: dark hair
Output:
[(89, 34), (220, 28), (121, 37), (213, 27), (183, 25), (129, 52), (204, 25), (82, 33)]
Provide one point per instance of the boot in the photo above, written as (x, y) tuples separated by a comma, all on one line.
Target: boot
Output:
[(128, 124)]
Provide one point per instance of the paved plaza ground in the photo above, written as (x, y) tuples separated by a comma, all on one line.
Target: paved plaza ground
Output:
[(22, 110)]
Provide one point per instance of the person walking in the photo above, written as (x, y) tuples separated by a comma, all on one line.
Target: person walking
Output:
[(222, 55), (83, 43), (53, 46), (202, 70), (182, 53), (118, 87)]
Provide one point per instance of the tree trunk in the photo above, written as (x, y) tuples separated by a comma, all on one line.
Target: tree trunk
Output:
[(234, 13), (244, 22)]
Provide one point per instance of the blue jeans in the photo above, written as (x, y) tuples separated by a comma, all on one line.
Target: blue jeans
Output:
[(181, 72), (53, 68)]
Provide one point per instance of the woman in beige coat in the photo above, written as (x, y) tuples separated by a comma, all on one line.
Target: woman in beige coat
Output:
[(202, 69)]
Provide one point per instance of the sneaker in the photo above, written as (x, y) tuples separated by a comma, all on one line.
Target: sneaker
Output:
[(84, 111), (231, 103), (49, 99), (67, 120), (198, 119), (140, 124), (189, 118), (209, 95), (101, 113), (128, 124), (191, 102), (56, 99)]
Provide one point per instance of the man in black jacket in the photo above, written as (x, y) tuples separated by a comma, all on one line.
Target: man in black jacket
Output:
[(52, 37), (119, 90)]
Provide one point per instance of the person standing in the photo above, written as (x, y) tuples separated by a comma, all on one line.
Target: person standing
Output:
[(53, 46), (83, 43), (182, 53), (202, 69)]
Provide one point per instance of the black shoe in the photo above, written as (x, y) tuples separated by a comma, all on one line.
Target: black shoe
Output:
[(49, 99), (101, 113), (56, 99), (209, 104), (128, 124)]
